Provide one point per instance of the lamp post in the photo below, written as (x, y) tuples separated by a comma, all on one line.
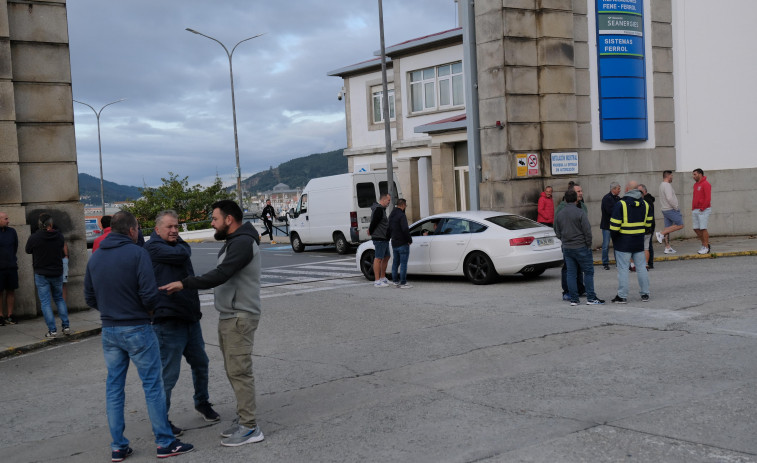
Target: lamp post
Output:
[(233, 105), (99, 145)]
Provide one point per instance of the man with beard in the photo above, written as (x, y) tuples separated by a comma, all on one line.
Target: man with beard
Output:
[(236, 280)]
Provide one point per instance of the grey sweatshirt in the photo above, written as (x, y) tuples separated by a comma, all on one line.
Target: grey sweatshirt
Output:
[(573, 228)]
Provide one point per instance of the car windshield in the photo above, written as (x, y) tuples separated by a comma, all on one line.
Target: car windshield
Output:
[(514, 222)]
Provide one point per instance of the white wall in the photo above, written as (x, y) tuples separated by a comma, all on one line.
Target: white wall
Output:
[(360, 110), (715, 78), (421, 61)]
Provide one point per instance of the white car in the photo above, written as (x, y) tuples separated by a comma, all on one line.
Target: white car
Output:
[(477, 244)]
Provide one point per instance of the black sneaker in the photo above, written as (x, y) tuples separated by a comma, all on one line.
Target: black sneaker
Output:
[(574, 303), (176, 448), (619, 300), (645, 298), (177, 431), (606, 267), (595, 301), (2, 321), (11, 320), (51, 334), (121, 454), (206, 411)]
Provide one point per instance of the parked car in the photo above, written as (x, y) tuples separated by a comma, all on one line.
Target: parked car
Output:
[(477, 244), (93, 231)]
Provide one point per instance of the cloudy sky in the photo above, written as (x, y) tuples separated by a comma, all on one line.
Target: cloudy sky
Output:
[(177, 115)]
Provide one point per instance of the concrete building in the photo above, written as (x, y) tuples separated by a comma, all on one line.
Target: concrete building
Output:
[(592, 91), (427, 114), (38, 169), (539, 70)]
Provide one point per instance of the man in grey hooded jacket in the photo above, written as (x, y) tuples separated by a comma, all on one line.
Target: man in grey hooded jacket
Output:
[(236, 280)]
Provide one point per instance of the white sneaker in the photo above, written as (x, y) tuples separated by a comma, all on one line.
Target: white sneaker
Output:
[(405, 286), (660, 237), (385, 280), (669, 251), (704, 250), (380, 284)]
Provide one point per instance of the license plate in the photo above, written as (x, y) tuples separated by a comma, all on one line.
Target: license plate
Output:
[(545, 241)]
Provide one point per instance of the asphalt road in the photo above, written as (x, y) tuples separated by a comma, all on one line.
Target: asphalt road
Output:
[(443, 372)]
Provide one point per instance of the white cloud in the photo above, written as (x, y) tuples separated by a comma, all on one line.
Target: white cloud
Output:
[(177, 116)]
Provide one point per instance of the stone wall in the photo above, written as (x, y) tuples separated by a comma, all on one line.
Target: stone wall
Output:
[(38, 169)]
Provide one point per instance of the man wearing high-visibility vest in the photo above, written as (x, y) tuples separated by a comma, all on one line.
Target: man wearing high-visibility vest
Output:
[(629, 222)]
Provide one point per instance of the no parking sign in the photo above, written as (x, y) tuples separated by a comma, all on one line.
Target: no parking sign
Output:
[(533, 164)]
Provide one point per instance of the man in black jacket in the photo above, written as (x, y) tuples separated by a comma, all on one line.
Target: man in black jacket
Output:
[(608, 202), (401, 241), (176, 319), (268, 214), (46, 248)]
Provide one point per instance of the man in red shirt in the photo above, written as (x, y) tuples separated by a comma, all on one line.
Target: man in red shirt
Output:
[(700, 205), (546, 209), (105, 221)]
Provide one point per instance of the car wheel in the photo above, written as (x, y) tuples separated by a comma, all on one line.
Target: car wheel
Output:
[(366, 264), (479, 269), (297, 245), (531, 272), (342, 246)]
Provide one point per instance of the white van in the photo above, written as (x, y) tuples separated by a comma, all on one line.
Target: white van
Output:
[(336, 210)]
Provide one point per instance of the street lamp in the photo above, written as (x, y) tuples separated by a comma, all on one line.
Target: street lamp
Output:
[(233, 106), (99, 145)]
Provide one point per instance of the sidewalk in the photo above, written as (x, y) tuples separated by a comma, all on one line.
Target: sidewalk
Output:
[(29, 334)]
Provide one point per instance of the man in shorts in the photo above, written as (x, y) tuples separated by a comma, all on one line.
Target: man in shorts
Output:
[(700, 209), (379, 231), (670, 211)]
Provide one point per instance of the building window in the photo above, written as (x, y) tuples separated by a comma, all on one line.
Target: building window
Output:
[(378, 101), (437, 87)]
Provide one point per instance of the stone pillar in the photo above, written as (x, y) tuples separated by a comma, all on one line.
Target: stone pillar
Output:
[(38, 169)]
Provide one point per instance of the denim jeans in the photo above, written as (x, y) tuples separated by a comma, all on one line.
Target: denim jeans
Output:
[(623, 261), (138, 343), (579, 259), (564, 279), (235, 338), (605, 247), (179, 338), (46, 286), (399, 261)]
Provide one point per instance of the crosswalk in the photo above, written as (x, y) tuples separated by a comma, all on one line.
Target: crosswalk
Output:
[(304, 278)]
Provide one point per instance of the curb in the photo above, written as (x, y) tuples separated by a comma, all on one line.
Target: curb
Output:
[(713, 255), (12, 351)]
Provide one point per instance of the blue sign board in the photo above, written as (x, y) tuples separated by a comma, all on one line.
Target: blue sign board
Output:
[(622, 70)]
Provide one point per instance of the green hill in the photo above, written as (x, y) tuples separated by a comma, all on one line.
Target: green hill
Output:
[(297, 172), (89, 190)]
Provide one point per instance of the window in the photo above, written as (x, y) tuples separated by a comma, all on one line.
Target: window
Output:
[(366, 194), (437, 87), (378, 104), (514, 222), (302, 206)]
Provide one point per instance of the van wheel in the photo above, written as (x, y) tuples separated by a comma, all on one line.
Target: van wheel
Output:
[(366, 264), (479, 269), (297, 245), (342, 246)]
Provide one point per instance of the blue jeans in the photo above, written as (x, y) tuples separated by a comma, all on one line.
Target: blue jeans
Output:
[(605, 247), (576, 260), (623, 261), (176, 339), (138, 343), (399, 261), (46, 286), (564, 279)]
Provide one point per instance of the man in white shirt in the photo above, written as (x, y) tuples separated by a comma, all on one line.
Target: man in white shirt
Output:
[(670, 211)]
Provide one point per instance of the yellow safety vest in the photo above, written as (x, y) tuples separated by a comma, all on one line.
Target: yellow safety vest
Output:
[(631, 228)]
